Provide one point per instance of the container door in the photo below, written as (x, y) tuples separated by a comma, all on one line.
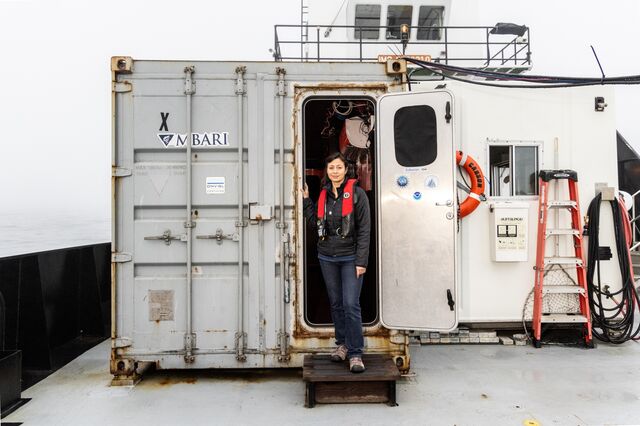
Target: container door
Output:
[(417, 211)]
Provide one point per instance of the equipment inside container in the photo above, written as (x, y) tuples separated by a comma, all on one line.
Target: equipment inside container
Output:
[(345, 125)]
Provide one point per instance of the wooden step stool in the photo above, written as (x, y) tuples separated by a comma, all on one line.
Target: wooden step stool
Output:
[(330, 382)]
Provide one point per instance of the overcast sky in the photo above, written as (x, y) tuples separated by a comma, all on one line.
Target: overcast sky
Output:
[(55, 98)]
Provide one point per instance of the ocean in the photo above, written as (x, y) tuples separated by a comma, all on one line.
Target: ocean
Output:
[(24, 233)]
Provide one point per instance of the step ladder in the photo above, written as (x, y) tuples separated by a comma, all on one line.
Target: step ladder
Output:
[(545, 264)]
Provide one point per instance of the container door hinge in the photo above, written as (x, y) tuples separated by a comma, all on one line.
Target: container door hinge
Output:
[(282, 88), (121, 257), (240, 346), (283, 339), (189, 84), (240, 71), (120, 172), (122, 87), (122, 342), (189, 346)]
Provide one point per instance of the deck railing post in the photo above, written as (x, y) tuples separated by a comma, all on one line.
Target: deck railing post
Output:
[(360, 32), (488, 51), (446, 46)]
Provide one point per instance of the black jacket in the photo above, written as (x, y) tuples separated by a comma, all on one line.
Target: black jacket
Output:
[(357, 241)]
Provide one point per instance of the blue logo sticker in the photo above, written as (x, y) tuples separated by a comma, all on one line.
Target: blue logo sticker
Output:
[(417, 195), (402, 181)]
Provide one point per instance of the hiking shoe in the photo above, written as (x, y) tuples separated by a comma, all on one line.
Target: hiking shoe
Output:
[(356, 365), (339, 354)]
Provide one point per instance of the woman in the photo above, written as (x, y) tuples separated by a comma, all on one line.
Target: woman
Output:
[(344, 224)]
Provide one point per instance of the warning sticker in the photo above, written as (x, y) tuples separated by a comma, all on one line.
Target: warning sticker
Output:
[(215, 185)]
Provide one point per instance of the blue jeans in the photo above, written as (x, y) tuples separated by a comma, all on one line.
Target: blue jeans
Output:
[(343, 288)]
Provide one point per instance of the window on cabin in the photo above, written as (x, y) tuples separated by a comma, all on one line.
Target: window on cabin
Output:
[(429, 17), (513, 170), (415, 146), (396, 16), (367, 15)]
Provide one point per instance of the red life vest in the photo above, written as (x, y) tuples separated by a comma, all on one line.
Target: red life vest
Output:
[(347, 210)]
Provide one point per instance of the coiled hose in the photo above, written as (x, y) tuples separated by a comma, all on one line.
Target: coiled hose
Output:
[(613, 323)]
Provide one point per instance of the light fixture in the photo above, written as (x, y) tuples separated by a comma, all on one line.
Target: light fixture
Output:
[(404, 36)]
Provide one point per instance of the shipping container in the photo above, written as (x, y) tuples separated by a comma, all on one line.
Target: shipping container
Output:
[(213, 264)]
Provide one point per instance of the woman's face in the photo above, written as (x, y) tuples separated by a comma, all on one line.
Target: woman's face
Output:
[(336, 171)]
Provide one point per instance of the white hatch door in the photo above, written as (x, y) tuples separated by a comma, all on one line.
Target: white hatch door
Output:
[(417, 211)]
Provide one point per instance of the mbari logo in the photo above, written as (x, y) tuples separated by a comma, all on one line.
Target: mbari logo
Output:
[(178, 140)]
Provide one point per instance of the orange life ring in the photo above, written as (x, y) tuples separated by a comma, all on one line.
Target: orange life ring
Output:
[(477, 183)]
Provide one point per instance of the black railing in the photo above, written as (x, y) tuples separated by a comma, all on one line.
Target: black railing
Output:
[(482, 48)]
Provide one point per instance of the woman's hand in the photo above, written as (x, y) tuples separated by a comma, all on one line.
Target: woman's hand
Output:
[(305, 191), (360, 270)]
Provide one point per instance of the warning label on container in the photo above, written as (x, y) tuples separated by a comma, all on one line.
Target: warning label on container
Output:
[(215, 185), (161, 305), (207, 139)]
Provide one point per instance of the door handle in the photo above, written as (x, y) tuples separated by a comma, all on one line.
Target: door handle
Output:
[(447, 203)]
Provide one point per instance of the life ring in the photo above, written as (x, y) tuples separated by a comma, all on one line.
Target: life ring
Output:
[(477, 184)]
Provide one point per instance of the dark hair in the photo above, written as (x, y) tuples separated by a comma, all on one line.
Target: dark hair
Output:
[(349, 165)]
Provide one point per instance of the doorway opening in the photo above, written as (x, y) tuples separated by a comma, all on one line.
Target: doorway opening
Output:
[(344, 124)]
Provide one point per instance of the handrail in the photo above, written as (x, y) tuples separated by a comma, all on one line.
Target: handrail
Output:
[(293, 48), (516, 50)]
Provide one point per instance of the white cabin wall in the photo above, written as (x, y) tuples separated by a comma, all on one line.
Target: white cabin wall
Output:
[(492, 291)]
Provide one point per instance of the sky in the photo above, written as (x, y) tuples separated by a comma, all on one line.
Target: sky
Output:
[(55, 101)]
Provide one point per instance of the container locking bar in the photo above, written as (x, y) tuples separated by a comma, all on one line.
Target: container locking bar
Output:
[(240, 91), (189, 337), (219, 236), (167, 237), (283, 336)]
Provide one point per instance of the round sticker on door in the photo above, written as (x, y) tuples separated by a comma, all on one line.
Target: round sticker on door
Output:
[(417, 195), (402, 181), (431, 182)]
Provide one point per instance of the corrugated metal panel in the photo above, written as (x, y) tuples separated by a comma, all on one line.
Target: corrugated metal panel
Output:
[(151, 123)]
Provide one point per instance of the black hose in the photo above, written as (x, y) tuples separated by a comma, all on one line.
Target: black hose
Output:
[(613, 324)]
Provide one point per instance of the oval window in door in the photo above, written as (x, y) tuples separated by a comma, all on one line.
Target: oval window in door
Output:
[(415, 136)]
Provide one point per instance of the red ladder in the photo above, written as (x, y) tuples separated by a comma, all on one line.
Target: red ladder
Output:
[(545, 263)]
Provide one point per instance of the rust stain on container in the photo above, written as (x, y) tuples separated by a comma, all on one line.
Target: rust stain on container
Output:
[(169, 380)]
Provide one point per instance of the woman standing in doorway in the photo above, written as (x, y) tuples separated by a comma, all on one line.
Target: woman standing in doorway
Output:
[(344, 225)]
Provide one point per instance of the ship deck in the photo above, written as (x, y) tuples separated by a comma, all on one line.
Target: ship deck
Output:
[(449, 384)]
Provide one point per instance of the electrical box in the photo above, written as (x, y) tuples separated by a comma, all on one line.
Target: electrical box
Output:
[(509, 227)]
